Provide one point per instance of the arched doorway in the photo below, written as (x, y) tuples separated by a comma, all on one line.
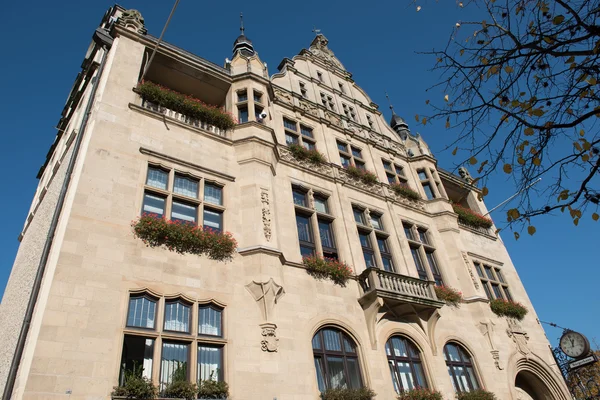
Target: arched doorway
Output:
[(530, 387)]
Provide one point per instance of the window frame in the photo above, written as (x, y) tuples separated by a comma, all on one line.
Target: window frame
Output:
[(349, 152), (497, 279), (303, 89), (298, 133), (374, 235), (350, 112), (462, 363), (392, 174), (410, 349), (328, 101), (423, 250)]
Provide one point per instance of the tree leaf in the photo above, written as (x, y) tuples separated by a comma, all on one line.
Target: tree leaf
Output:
[(581, 132), (446, 98), (538, 112), (424, 121), (585, 158), (558, 19), (531, 229), (462, 51), (454, 151), (576, 221), (508, 69), (537, 162), (570, 60), (592, 81), (595, 216), (521, 160), (417, 118), (472, 161), (528, 131), (517, 236), (548, 39), (485, 191), (577, 146), (507, 168)]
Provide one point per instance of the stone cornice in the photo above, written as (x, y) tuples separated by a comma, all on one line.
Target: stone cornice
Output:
[(484, 258)]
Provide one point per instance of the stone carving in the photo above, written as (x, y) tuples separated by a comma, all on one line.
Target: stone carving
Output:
[(283, 96), (468, 265), (519, 336), (266, 213), (377, 139), (319, 48), (320, 168), (309, 108), (398, 147), (375, 188), (133, 20), (334, 119), (487, 330), (266, 295), (270, 342), (464, 173), (418, 204)]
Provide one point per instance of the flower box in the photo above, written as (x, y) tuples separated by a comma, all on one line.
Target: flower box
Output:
[(505, 308), (471, 218), (363, 175), (451, 296), (184, 237), (478, 394), (328, 268), (348, 394), (402, 189), (420, 394), (210, 389), (301, 153), (187, 105)]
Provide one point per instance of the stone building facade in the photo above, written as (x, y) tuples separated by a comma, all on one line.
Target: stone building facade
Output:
[(86, 297)]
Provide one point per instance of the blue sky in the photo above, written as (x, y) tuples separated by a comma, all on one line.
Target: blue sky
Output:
[(376, 41)]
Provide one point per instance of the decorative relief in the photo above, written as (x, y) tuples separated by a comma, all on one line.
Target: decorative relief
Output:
[(283, 96), (519, 336), (266, 213), (133, 20), (468, 265), (464, 173), (334, 119), (270, 342), (418, 204), (321, 168), (319, 48), (375, 189), (377, 139), (309, 108), (487, 330), (398, 147)]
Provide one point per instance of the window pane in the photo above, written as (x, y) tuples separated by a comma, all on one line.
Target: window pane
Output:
[(479, 271), (382, 244), (500, 276), (289, 124), (395, 377), (420, 375), (349, 346), (257, 97), (141, 312), (213, 194), (303, 225), (422, 175), (399, 170), (369, 259), (210, 363), (332, 340), (209, 321), (136, 356), (376, 221), (423, 236), (299, 198), (358, 216), (157, 178), (488, 272), (356, 152), (213, 220), (306, 131), (345, 161), (408, 231), (243, 96), (153, 205), (359, 164), (321, 204), (462, 378), (185, 186), (387, 264), (353, 373), (326, 234), (432, 263), (177, 317), (488, 293), (399, 347), (406, 377), (497, 292), (364, 240), (291, 139), (243, 114), (173, 365), (387, 165), (453, 352), (309, 145), (320, 373), (337, 377), (417, 259), (428, 191), (342, 147), (183, 212), (391, 178), (471, 377), (306, 251), (507, 293), (316, 342)]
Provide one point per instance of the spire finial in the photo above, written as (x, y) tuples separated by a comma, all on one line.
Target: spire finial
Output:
[(389, 101), (316, 31), (242, 23)]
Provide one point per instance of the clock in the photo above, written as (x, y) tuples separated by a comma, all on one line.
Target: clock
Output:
[(574, 344)]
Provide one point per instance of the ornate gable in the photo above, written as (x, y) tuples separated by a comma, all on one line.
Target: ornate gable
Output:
[(319, 49)]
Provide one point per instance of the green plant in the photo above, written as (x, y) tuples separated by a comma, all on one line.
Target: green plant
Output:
[(210, 389), (420, 394), (181, 390), (402, 189), (478, 394), (451, 296), (135, 386), (363, 175), (471, 218), (348, 394), (184, 237), (508, 308), (301, 153), (187, 105), (322, 268)]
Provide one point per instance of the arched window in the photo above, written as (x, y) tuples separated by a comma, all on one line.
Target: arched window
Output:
[(460, 368), (405, 364), (336, 360)]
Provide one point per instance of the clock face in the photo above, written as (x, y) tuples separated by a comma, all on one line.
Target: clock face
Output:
[(574, 344)]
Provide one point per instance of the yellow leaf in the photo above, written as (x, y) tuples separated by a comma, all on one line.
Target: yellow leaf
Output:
[(592, 81), (485, 191), (446, 97), (517, 236), (426, 101), (424, 121), (521, 161), (507, 168), (484, 61), (548, 39), (538, 112), (537, 162), (494, 70), (454, 151), (462, 51), (417, 117), (585, 158), (595, 216), (577, 146), (564, 195), (472, 161), (531, 229), (528, 131), (581, 132), (569, 111), (508, 69), (570, 60), (576, 221), (586, 145), (558, 19)]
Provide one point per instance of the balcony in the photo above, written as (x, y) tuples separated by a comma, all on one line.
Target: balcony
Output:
[(399, 297)]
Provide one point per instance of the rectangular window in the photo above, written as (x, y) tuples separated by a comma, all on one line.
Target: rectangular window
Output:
[(157, 178), (142, 312), (356, 152), (358, 216), (345, 161), (184, 212), (174, 362), (428, 191), (408, 232), (257, 96), (299, 197), (177, 316), (308, 145), (304, 230), (326, 234), (291, 139), (154, 204), (423, 253), (321, 204), (422, 175), (426, 183), (368, 254), (242, 96), (289, 124), (242, 114), (210, 362), (419, 264), (376, 221), (185, 186), (386, 256), (342, 147), (306, 131), (209, 321), (213, 220), (137, 356), (493, 281), (303, 90), (213, 194)]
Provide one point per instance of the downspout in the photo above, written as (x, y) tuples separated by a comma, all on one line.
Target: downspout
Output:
[(105, 41)]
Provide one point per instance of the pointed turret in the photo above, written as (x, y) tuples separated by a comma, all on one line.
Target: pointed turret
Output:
[(242, 44)]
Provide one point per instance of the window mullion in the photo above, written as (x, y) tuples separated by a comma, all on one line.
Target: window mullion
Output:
[(316, 234), (375, 249), (156, 360), (425, 262)]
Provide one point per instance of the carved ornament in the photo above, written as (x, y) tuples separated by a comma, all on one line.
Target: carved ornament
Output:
[(321, 168), (270, 341), (133, 20), (309, 108), (319, 49), (283, 96), (266, 213)]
